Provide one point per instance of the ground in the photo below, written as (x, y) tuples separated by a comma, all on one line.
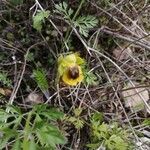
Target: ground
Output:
[(107, 107)]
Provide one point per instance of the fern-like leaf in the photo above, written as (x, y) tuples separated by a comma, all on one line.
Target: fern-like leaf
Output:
[(38, 19), (4, 80), (62, 9), (40, 78), (85, 23)]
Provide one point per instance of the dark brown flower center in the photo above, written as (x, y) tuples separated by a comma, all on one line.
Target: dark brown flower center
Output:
[(73, 72)]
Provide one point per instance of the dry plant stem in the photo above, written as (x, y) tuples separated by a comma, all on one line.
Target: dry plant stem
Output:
[(145, 4), (133, 22), (11, 47), (76, 93), (101, 54), (36, 5), (140, 63), (49, 99), (87, 90), (59, 33), (114, 19), (56, 93), (73, 90), (68, 34), (54, 55), (96, 34), (76, 144), (123, 2), (17, 85), (128, 38), (82, 100), (11, 63), (96, 51), (58, 96), (84, 95), (72, 99), (15, 69), (116, 94), (88, 106), (145, 44)]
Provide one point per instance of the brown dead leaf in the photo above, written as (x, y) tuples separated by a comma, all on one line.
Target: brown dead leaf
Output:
[(132, 97), (5, 91), (122, 53), (34, 98)]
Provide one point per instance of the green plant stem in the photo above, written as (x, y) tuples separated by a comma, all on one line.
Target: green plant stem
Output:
[(27, 131), (75, 15), (67, 36)]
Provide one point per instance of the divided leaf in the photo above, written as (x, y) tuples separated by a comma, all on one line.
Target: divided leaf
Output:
[(30, 145), (4, 79), (62, 8), (16, 2), (49, 113), (49, 136), (40, 78), (17, 145), (39, 18), (84, 23)]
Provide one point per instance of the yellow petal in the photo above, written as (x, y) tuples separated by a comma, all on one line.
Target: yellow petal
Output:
[(79, 60), (64, 62), (68, 60)]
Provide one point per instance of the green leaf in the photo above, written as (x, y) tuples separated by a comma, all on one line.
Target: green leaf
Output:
[(16, 2), (52, 114), (93, 146), (30, 145), (40, 108), (112, 136), (85, 23), (64, 4), (48, 112), (39, 18), (90, 78), (14, 109), (146, 122), (62, 8), (30, 57), (4, 79), (76, 121), (79, 123), (115, 142), (103, 128), (50, 136), (3, 142), (77, 111), (6, 134), (40, 77), (97, 117), (17, 145), (3, 115), (79, 60)]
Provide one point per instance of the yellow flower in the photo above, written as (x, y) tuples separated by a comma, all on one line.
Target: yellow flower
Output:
[(69, 69), (73, 75)]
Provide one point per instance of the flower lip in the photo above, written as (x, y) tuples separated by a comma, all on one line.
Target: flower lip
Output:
[(73, 75), (73, 72)]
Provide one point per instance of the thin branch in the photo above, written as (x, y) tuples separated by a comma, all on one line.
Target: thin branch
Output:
[(130, 39), (15, 90)]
